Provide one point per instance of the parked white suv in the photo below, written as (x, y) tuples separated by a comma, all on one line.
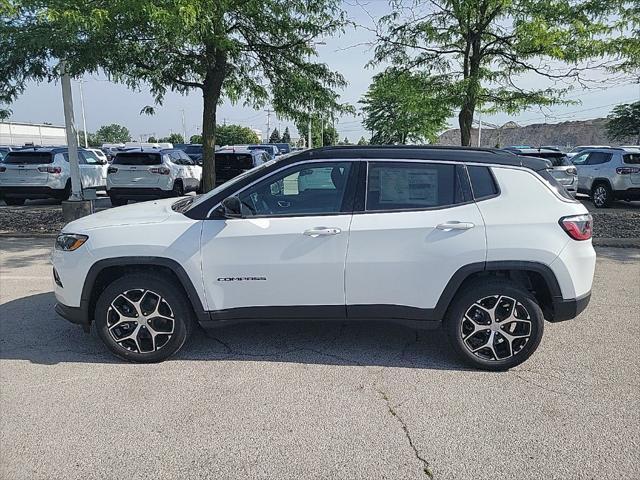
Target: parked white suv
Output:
[(482, 241), (146, 174), (32, 173)]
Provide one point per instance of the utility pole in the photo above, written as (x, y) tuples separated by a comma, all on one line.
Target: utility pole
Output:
[(269, 112), (84, 120), (184, 128), (67, 103)]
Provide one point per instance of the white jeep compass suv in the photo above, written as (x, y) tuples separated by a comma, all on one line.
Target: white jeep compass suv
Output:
[(483, 242), (143, 174)]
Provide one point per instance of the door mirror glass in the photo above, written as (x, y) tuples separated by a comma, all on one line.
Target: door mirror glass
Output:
[(231, 207)]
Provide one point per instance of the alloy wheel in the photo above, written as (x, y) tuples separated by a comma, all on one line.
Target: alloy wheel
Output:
[(496, 328), (140, 320), (600, 196)]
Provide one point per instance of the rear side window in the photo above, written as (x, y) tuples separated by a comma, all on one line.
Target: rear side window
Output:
[(412, 185), (632, 158), (482, 182), (28, 158), (597, 158), (137, 159)]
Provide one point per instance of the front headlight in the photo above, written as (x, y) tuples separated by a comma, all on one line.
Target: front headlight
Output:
[(70, 241)]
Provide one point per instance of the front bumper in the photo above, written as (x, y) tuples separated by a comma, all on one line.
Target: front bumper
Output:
[(75, 315), (569, 309)]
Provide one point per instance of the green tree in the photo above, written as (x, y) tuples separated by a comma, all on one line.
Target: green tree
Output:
[(256, 51), (345, 141), (320, 136), (112, 133), (624, 122), (363, 141), (275, 136), (172, 138), (196, 139), (402, 107), (286, 136), (152, 140), (236, 135), (483, 46)]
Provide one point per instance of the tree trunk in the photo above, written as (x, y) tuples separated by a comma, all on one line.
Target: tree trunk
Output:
[(465, 120), (211, 92)]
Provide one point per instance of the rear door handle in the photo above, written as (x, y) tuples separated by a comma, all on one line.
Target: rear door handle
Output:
[(322, 231), (448, 226)]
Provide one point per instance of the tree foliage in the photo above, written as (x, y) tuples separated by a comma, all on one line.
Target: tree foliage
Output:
[(624, 122), (113, 133), (402, 106), (275, 136), (484, 46), (286, 136), (363, 141), (236, 135), (320, 135), (196, 139), (255, 51), (172, 138)]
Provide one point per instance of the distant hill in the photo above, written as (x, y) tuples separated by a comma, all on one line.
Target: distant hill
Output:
[(579, 132)]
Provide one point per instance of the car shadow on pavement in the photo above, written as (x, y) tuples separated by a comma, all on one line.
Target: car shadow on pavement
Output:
[(31, 330)]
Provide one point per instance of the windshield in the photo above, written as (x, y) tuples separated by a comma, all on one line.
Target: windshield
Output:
[(201, 198)]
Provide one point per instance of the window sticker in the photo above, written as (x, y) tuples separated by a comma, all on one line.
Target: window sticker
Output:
[(409, 185)]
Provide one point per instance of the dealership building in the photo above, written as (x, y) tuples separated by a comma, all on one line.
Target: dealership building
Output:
[(19, 134)]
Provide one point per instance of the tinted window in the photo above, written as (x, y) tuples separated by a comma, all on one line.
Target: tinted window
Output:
[(194, 149), (399, 186), (633, 158), (28, 158), (230, 165), (579, 159), (482, 182), (133, 158), (556, 159), (310, 189), (597, 158)]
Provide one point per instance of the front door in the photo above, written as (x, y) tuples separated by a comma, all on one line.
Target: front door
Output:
[(419, 227), (285, 257)]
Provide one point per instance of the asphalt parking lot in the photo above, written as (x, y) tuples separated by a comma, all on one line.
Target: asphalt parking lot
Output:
[(312, 400)]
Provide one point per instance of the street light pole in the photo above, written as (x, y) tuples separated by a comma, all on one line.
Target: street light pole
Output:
[(84, 120), (69, 122)]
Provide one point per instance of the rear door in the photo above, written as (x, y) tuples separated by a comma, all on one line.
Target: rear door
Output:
[(418, 228), (25, 168), (133, 169)]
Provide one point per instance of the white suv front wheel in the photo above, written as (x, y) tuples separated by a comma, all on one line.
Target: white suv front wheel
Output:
[(143, 318), (495, 325)]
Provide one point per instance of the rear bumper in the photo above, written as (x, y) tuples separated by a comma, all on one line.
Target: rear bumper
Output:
[(31, 192), (139, 193), (75, 315), (569, 309)]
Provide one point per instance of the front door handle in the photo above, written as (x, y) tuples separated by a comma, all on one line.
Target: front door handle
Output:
[(448, 226), (322, 231)]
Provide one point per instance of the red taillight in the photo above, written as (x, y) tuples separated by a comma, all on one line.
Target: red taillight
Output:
[(578, 227), (160, 170), (111, 170), (627, 170), (55, 170), (3, 169)]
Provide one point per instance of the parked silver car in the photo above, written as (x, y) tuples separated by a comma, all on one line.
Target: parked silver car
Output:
[(562, 168), (608, 174)]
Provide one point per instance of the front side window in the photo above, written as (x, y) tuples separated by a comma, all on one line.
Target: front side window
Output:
[(597, 158), (89, 157), (309, 189), (580, 159), (412, 185)]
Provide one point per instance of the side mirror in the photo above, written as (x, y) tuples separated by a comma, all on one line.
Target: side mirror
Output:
[(231, 207)]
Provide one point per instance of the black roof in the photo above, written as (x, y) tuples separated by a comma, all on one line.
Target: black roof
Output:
[(427, 152), (52, 150)]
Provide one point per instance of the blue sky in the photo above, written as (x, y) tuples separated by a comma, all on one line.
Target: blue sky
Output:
[(106, 102)]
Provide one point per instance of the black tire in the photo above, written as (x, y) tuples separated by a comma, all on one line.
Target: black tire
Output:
[(13, 201), (601, 195), (467, 301), (138, 284), (178, 188), (118, 202)]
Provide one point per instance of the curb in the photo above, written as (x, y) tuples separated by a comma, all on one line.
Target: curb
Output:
[(617, 242)]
